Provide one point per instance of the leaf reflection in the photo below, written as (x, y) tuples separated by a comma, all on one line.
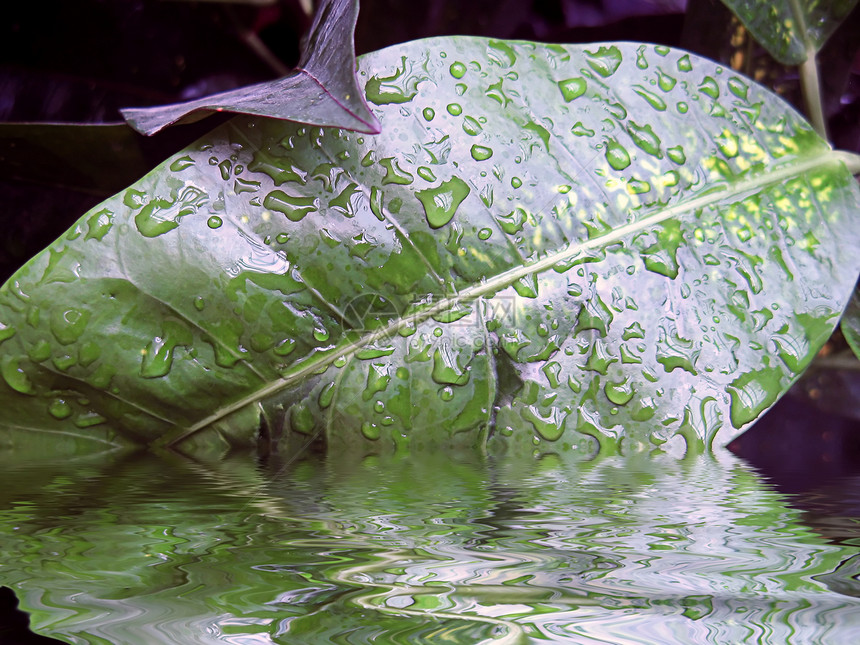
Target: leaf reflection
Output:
[(624, 550)]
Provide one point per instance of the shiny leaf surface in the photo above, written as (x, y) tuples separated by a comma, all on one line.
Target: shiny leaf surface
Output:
[(322, 90), (549, 248), (794, 29)]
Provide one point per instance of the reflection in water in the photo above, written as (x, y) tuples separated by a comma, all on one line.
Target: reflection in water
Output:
[(833, 510), (145, 549)]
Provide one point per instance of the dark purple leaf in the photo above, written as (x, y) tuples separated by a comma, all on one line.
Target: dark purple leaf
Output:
[(321, 91)]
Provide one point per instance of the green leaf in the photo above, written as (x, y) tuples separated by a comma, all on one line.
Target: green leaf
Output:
[(851, 322), (322, 90), (549, 248), (791, 31)]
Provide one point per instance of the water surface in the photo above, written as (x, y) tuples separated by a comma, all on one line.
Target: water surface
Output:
[(139, 548)]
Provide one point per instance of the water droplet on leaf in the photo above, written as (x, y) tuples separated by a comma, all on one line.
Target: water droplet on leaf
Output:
[(400, 87), (326, 396), (709, 87), (676, 154), (446, 371), (738, 87), (664, 81), (441, 203), (99, 224), (182, 163), (59, 409), (572, 88), (550, 427), (39, 351), (370, 430), (68, 325), (377, 380), (481, 153), (471, 126), (15, 376), (294, 207), (652, 99), (641, 62), (157, 356), (285, 347), (619, 393), (527, 286), (302, 419), (661, 257), (89, 419), (617, 155), (753, 393), (394, 174), (644, 137), (605, 60)]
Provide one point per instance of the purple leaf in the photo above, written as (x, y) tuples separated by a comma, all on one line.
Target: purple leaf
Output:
[(321, 91)]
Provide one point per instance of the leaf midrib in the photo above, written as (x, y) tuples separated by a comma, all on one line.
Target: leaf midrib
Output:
[(802, 31), (508, 277)]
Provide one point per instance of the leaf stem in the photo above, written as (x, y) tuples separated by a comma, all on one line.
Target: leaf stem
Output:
[(811, 89), (256, 45), (809, 85), (850, 159)]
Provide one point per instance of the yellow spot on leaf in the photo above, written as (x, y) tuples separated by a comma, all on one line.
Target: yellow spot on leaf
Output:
[(790, 144)]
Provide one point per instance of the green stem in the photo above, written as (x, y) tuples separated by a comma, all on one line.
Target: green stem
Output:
[(809, 85), (811, 89), (257, 46)]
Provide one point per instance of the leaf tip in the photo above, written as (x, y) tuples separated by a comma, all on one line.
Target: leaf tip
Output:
[(373, 124), (137, 119)]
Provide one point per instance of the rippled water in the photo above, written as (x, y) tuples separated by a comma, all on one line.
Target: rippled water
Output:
[(159, 549)]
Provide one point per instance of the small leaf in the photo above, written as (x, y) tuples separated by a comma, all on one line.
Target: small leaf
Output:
[(322, 91), (622, 271), (790, 30)]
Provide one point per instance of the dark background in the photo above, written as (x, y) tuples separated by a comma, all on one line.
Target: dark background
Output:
[(81, 61)]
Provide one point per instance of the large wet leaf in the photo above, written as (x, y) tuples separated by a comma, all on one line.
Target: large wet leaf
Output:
[(550, 247), (794, 29), (322, 90)]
